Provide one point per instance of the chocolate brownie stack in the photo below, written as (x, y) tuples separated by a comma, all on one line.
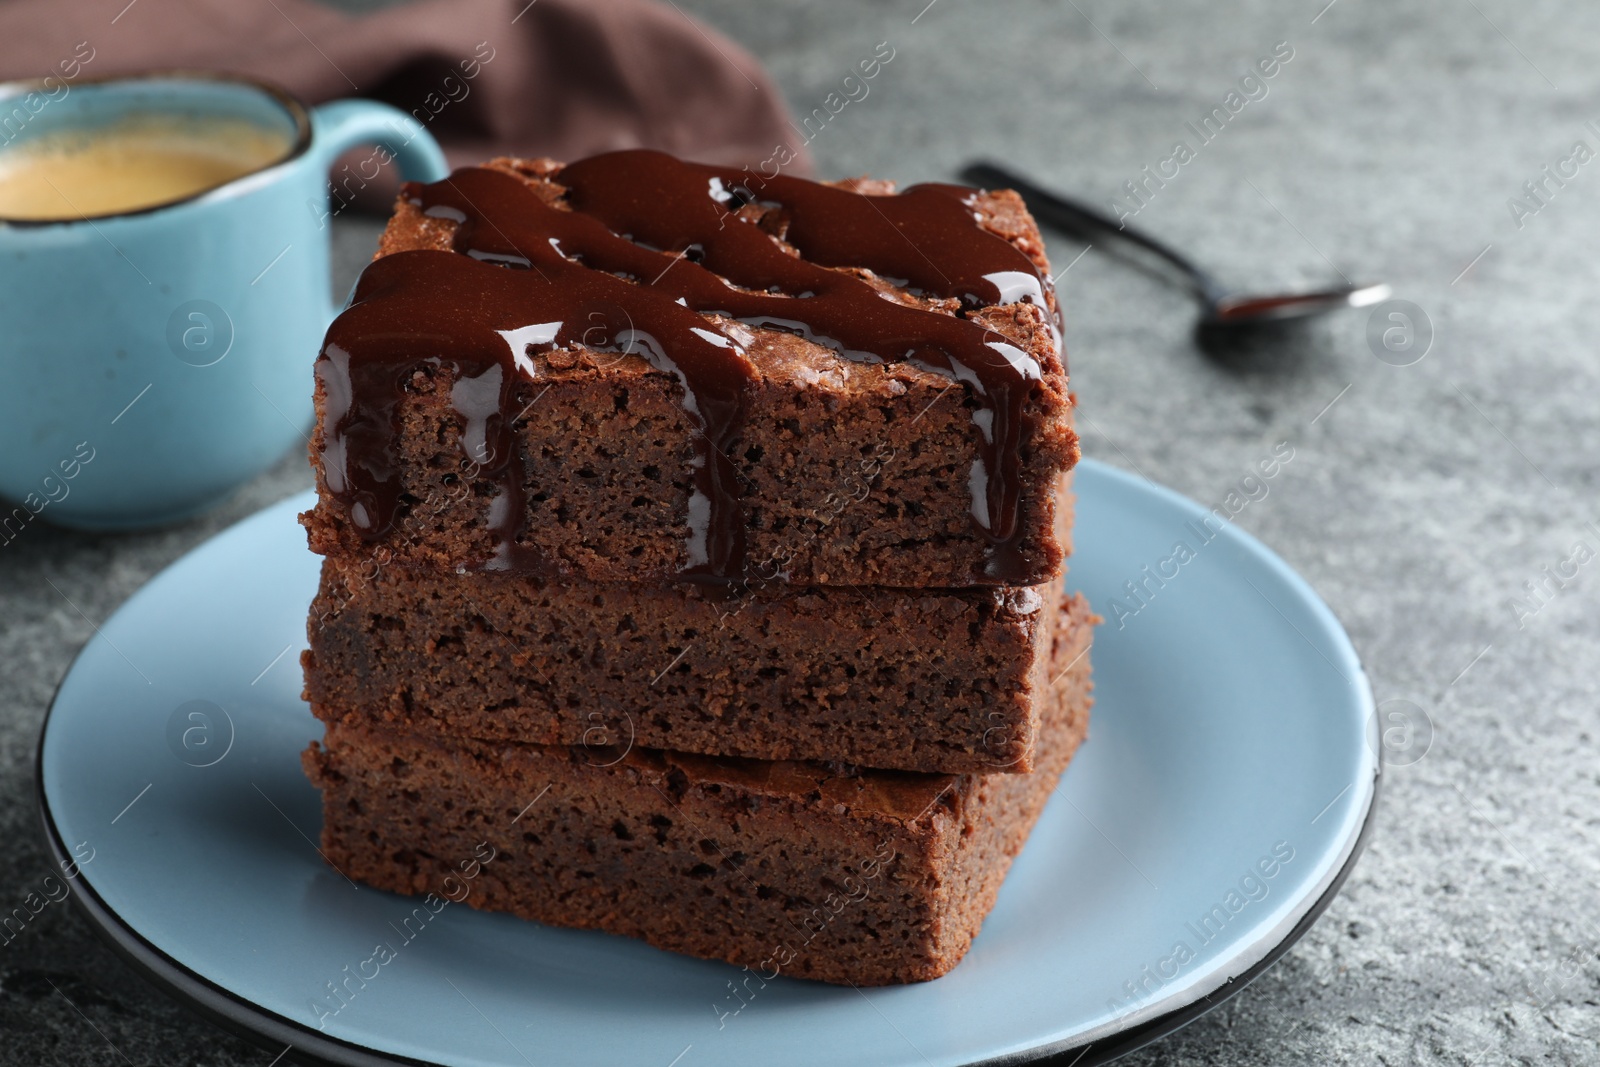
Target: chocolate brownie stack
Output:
[(694, 538)]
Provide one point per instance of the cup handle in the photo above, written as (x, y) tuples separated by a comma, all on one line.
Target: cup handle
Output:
[(341, 125)]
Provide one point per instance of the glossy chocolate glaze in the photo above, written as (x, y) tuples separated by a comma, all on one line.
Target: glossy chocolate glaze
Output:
[(649, 246)]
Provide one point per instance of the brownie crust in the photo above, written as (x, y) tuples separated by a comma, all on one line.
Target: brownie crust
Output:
[(810, 870)]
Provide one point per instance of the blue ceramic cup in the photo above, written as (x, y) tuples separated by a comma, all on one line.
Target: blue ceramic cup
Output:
[(152, 361)]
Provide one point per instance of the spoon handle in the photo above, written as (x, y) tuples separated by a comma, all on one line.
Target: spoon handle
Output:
[(1083, 222)]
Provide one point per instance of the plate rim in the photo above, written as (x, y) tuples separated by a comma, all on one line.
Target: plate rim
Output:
[(267, 1029)]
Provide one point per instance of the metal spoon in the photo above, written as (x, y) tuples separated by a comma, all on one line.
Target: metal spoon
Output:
[(1220, 306)]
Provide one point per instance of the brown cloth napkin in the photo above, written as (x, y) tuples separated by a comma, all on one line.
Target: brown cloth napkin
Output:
[(561, 78)]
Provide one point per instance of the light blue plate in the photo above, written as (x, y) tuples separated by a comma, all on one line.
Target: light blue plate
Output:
[(1221, 797)]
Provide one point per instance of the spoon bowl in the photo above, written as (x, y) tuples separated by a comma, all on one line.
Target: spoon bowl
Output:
[(1219, 306), (1239, 309)]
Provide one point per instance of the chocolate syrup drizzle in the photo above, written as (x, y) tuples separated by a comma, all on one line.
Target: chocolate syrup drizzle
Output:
[(650, 245)]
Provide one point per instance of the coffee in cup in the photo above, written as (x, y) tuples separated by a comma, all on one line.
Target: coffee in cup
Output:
[(139, 162)]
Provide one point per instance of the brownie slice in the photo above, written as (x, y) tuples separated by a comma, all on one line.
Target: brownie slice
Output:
[(922, 680), (810, 870), (459, 428)]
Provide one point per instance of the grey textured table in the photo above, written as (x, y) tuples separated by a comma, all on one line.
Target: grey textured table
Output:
[(1420, 501)]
